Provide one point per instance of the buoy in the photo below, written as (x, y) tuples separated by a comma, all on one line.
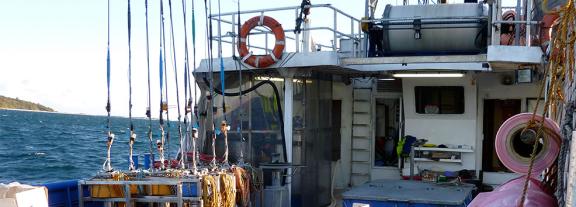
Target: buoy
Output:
[(509, 133), (261, 61)]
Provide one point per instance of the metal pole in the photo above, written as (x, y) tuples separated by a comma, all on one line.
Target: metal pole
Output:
[(528, 25), (288, 107), (334, 31), (517, 26), (236, 34), (412, 162), (570, 192), (296, 34), (80, 194)]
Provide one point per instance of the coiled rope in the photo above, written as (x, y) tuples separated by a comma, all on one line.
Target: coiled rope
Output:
[(228, 190), (242, 186), (210, 191)]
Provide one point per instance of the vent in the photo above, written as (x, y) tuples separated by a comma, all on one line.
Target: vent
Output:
[(390, 85)]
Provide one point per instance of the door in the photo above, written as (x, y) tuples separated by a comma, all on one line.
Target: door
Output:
[(496, 111)]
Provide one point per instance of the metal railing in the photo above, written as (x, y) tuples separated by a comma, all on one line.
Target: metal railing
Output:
[(298, 42), (520, 8)]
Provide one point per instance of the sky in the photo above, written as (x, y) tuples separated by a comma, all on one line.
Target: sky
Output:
[(54, 52)]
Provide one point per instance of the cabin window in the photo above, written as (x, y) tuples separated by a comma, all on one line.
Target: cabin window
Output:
[(439, 99)]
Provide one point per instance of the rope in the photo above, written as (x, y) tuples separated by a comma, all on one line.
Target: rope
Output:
[(187, 93), (163, 103), (222, 83), (132, 134), (180, 137), (228, 190), (195, 107), (210, 192), (211, 71), (239, 68), (148, 109), (107, 165), (166, 144), (560, 72), (242, 186)]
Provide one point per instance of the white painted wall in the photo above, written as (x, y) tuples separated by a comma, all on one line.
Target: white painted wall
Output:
[(490, 87), (455, 129), (343, 92)]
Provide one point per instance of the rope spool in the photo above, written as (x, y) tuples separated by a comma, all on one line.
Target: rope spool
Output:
[(514, 160), (261, 61)]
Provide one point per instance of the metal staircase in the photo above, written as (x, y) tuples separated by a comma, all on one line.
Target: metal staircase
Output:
[(361, 132)]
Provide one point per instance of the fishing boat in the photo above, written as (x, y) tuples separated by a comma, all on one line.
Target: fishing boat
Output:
[(428, 104)]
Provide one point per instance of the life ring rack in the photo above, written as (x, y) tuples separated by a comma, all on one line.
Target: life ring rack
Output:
[(261, 61)]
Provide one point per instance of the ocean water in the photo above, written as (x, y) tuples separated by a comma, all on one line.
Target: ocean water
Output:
[(38, 147)]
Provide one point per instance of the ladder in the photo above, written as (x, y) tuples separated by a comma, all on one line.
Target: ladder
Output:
[(362, 132)]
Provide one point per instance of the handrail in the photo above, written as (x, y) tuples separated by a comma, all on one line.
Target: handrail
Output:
[(301, 41)]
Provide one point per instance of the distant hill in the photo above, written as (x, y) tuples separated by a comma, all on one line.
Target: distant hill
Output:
[(11, 103)]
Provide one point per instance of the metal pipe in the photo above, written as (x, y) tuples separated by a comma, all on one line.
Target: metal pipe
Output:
[(412, 162), (329, 6), (517, 26), (296, 34), (335, 25), (516, 22), (528, 26), (234, 38), (413, 18)]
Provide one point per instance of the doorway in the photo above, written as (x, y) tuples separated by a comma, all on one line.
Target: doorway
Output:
[(387, 132), (496, 111)]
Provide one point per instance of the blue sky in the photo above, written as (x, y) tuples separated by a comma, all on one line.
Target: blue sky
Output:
[(54, 52)]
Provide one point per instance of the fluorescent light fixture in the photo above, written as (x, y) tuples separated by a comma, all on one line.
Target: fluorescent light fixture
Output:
[(386, 79), (428, 75), (275, 79)]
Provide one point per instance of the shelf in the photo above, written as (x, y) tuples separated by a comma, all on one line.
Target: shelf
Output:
[(441, 149), (440, 160)]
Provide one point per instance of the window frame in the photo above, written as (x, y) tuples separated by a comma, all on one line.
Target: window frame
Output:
[(460, 91)]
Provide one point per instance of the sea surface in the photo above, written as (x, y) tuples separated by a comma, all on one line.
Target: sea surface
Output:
[(39, 147)]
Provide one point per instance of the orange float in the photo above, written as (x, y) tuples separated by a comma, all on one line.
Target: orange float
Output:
[(261, 61)]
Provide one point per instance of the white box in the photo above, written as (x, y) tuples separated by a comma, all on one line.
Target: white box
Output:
[(15, 195)]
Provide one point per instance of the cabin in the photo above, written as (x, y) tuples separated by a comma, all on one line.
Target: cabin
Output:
[(330, 117)]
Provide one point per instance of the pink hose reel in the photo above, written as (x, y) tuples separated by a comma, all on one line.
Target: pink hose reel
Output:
[(518, 163)]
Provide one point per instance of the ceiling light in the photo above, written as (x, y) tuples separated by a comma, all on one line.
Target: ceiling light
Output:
[(428, 75)]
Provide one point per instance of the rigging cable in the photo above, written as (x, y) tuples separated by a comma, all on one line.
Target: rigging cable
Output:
[(175, 75), (211, 71), (224, 126), (148, 109), (194, 120), (187, 93), (241, 117), (107, 166), (132, 134), (167, 144), (163, 104)]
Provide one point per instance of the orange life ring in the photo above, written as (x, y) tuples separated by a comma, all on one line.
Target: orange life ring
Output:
[(261, 61)]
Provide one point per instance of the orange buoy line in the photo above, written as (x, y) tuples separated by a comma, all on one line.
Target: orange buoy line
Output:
[(261, 61)]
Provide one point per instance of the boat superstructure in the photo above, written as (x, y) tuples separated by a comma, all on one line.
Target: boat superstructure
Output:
[(340, 109), (446, 73)]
